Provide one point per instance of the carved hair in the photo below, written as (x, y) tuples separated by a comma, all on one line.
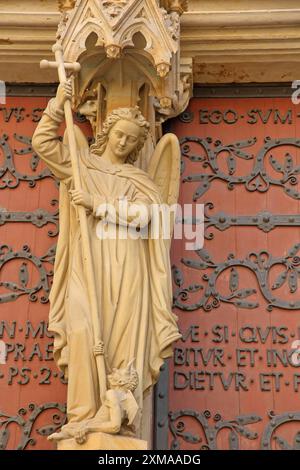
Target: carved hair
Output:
[(126, 378), (128, 114)]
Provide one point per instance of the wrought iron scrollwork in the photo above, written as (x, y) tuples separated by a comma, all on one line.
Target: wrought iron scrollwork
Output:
[(236, 427), (10, 177), (260, 263), (264, 220), (25, 419), (43, 284), (186, 116), (257, 180), (39, 217), (275, 423)]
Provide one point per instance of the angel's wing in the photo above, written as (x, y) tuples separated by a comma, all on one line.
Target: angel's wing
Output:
[(82, 142), (164, 169)]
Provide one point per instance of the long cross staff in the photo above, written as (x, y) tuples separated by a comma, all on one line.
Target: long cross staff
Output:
[(86, 248)]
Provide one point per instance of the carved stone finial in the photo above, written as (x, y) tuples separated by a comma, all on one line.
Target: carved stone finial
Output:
[(113, 51), (165, 102), (178, 6), (163, 69), (65, 5)]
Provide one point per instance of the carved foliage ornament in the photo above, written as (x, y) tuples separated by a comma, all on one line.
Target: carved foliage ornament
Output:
[(65, 5), (114, 8), (178, 6)]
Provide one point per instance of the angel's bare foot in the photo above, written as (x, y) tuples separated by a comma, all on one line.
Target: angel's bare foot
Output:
[(80, 436)]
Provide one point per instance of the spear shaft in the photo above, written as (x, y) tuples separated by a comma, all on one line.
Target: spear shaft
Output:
[(85, 239)]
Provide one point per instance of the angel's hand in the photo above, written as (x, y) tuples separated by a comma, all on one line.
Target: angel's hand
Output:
[(64, 93), (81, 198)]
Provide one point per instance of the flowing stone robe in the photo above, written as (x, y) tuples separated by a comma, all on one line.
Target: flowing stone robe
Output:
[(133, 279)]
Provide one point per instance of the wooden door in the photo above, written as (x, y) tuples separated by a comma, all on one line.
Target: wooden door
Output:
[(32, 390), (234, 380)]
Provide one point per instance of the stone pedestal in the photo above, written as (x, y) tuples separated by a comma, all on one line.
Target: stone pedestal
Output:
[(101, 441)]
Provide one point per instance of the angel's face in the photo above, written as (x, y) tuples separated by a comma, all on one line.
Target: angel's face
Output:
[(123, 139)]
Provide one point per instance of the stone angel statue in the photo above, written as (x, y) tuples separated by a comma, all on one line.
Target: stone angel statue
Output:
[(132, 275)]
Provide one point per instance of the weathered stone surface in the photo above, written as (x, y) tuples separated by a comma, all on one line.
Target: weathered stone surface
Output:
[(252, 41), (101, 441)]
